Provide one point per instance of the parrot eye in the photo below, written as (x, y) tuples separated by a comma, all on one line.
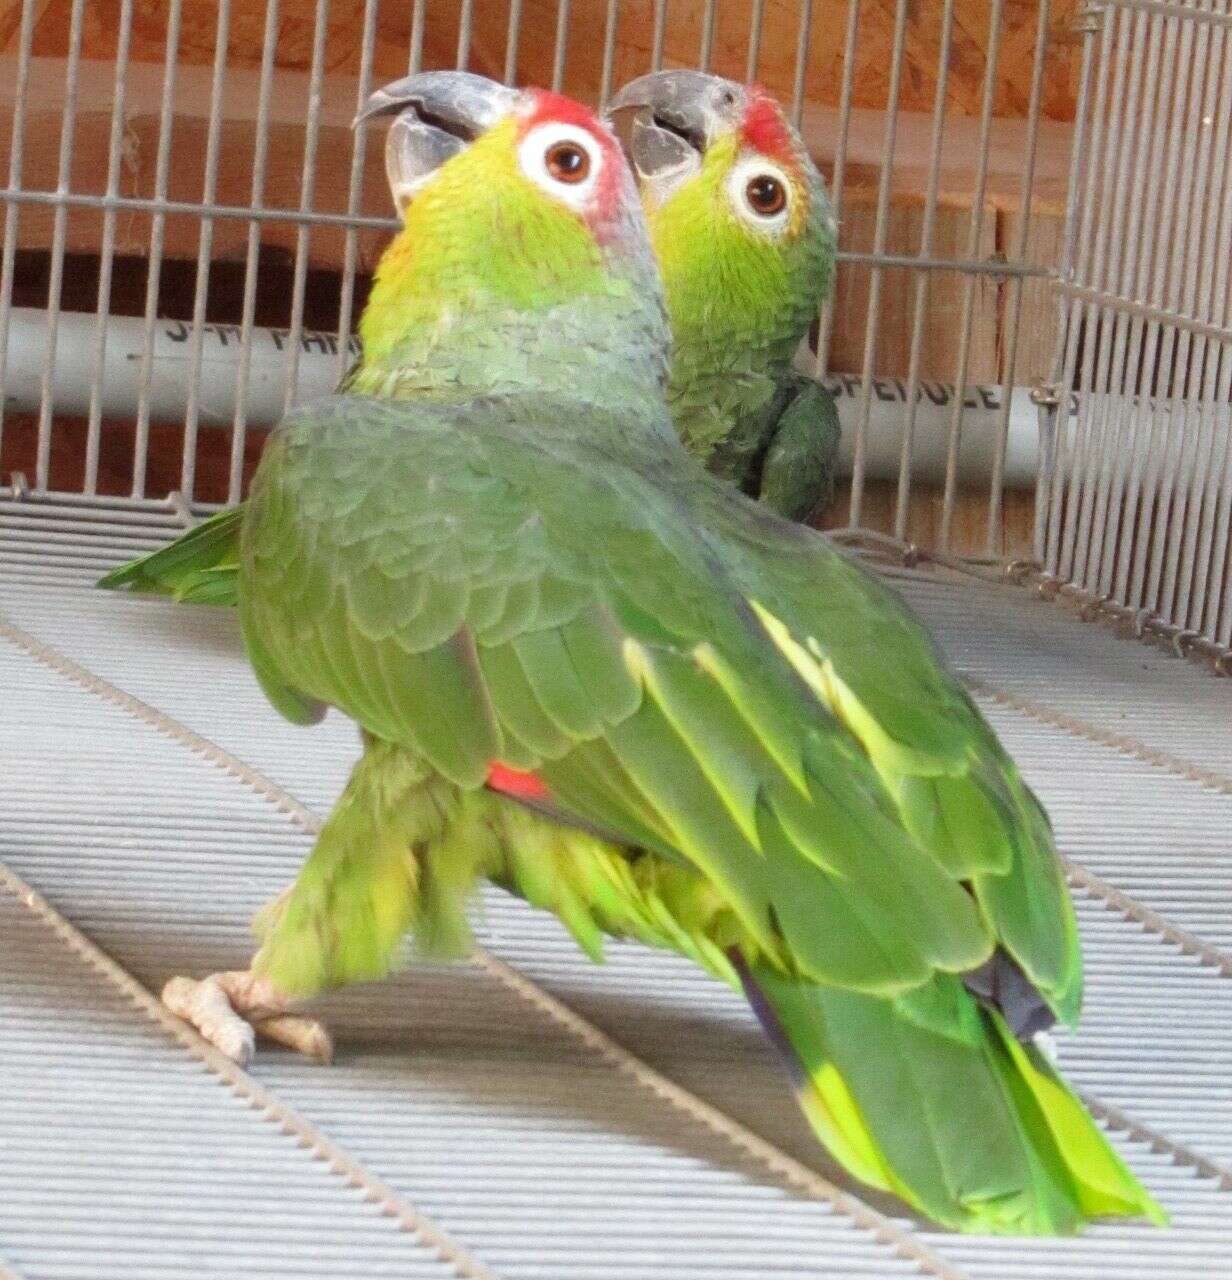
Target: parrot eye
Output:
[(761, 194), (563, 159), (766, 195), (567, 162)]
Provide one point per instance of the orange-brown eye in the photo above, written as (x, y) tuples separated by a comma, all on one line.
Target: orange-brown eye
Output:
[(567, 162), (766, 195)]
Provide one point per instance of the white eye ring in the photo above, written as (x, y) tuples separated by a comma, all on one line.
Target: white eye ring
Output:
[(533, 157), (738, 180)]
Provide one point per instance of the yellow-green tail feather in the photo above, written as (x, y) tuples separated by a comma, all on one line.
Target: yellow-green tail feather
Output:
[(930, 1098)]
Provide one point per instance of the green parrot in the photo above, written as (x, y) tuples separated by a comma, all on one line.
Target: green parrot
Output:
[(741, 288), (587, 671), (744, 236)]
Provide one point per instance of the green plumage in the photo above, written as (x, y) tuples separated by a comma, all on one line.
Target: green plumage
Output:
[(740, 302), (604, 592), (744, 748)]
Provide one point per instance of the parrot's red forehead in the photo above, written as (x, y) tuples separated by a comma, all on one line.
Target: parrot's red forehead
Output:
[(554, 108), (763, 127)]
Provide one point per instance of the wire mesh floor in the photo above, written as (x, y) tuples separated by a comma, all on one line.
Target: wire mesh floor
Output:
[(479, 1121)]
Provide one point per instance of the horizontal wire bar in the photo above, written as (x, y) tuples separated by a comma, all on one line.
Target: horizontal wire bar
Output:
[(194, 209), (347, 221), (1160, 315), (1171, 9)]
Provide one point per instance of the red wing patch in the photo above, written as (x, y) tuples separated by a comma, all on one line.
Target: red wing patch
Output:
[(515, 783)]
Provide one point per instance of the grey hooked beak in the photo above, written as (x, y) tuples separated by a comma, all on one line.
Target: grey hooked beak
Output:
[(438, 114), (667, 119)]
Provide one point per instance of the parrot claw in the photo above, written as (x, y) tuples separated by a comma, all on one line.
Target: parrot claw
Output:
[(231, 1009)]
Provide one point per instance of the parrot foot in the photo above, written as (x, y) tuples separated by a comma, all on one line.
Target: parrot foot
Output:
[(231, 1009)]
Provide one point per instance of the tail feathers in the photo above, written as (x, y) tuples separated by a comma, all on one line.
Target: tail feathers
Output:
[(200, 567), (930, 1097)]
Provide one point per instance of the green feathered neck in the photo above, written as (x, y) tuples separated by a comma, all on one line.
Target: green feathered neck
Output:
[(739, 302), (492, 286)]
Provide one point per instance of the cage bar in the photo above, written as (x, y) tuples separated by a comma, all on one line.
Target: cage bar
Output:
[(259, 159), (1132, 504)]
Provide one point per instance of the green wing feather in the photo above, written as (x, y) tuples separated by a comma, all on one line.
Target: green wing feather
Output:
[(728, 778), (799, 470), (958, 794), (822, 877), (200, 567)]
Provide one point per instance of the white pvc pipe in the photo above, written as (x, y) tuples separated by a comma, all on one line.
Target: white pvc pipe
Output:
[(317, 372), (74, 367), (981, 421)]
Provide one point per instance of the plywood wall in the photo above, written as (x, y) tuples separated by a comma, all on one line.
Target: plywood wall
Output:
[(634, 35)]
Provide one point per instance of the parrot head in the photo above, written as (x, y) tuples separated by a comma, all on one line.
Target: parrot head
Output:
[(739, 218), (521, 231)]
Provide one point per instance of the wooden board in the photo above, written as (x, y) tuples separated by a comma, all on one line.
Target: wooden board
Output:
[(634, 33)]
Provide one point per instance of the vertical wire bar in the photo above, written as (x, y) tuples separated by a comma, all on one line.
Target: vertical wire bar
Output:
[(707, 46), (511, 41), (307, 191), (660, 31), (205, 245), (1161, 338), (16, 138), (1067, 478), (609, 53), (1222, 631), (153, 278), (1109, 264), (874, 286), (902, 502), (106, 251), (1201, 356), (1216, 584), (346, 304), (1188, 358), (1114, 330), (825, 319), (756, 18), (804, 31), (1133, 281), (973, 248), (42, 466), (1055, 422), (1191, 196), (993, 542), (1210, 598), (1139, 501), (562, 45), (466, 20), (414, 54), (1214, 404), (239, 423)]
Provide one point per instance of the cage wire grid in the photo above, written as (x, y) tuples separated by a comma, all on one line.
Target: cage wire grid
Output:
[(1131, 517)]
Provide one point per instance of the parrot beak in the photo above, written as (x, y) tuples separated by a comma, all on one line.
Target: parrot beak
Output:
[(667, 119), (437, 114)]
